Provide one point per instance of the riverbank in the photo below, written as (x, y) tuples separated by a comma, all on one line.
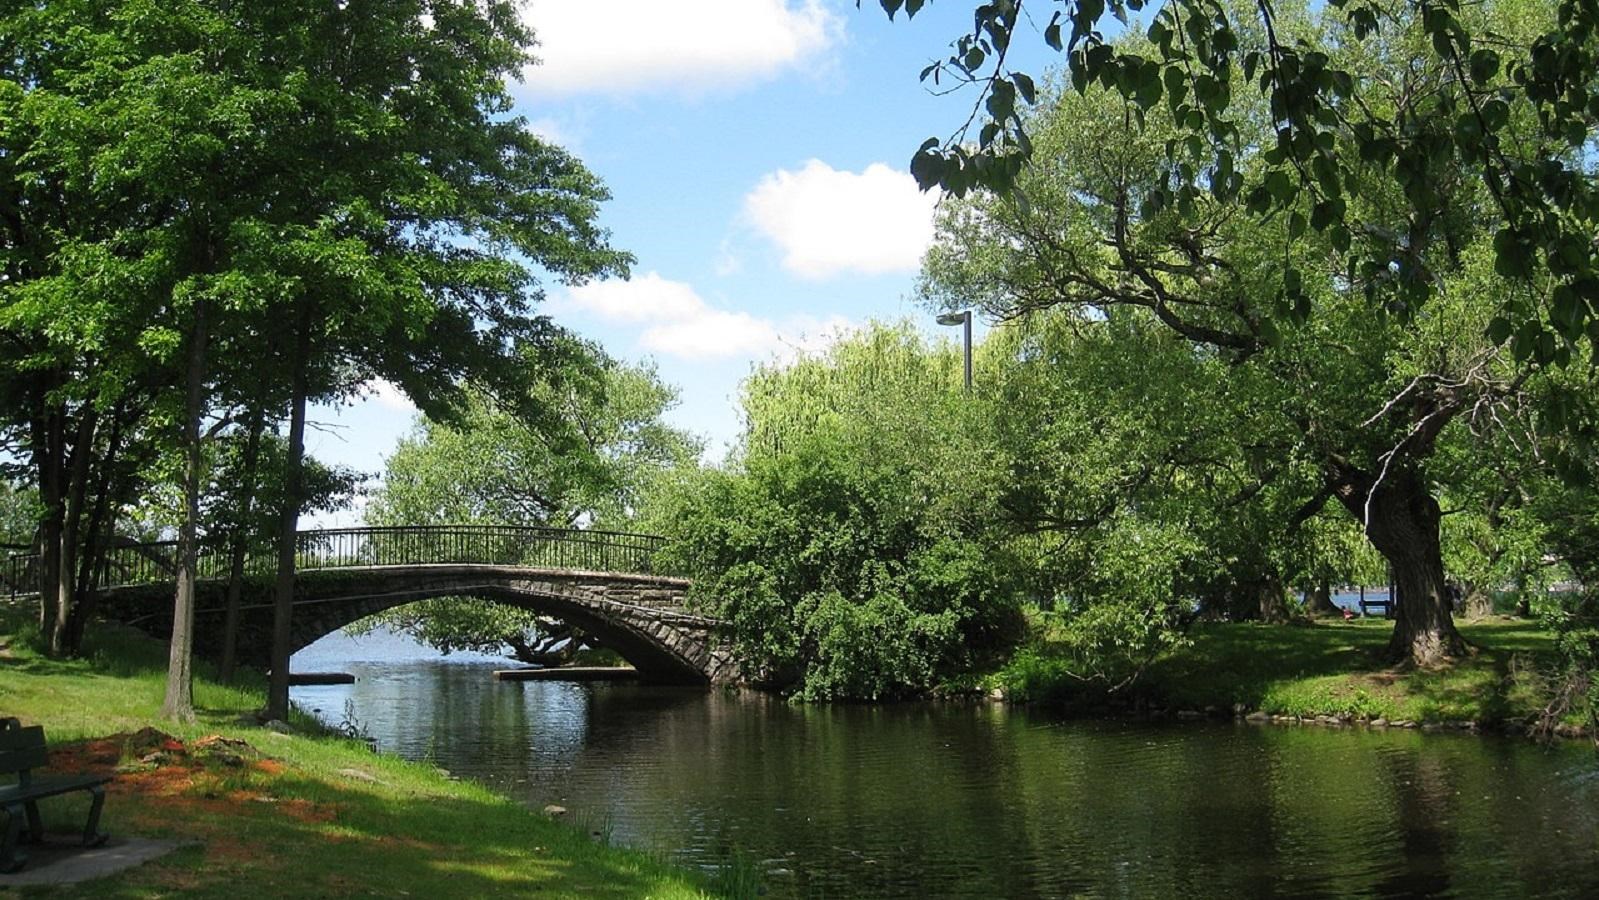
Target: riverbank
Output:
[(1322, 672), (292, 815)]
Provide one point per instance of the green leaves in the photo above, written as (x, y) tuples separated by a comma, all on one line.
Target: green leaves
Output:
[(1513, 254), (590, 456), (1484, 65), (911, 7), (850, 562), (927, 166), (1001, 104), (1334, 125)]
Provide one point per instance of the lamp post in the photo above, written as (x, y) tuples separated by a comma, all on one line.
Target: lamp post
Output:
[(964, 319)]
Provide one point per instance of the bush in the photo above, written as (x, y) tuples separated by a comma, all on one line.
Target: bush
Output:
[(853, 544), (1573, 692)]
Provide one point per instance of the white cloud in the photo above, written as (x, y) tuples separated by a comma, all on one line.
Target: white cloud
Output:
[(676, 321), (727, 262), (653, 45), (828, 222), (387, 394), (649, 298), (555, 132)]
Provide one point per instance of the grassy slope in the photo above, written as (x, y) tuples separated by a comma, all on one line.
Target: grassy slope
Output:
[(319, 816), (1329, 668)]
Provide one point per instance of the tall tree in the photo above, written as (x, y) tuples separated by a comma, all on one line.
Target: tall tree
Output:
[(181, 127), (340, 188), (415, 214), (1359, 394), (95, 153)]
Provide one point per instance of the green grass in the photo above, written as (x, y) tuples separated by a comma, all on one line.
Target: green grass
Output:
[(317, 816), (1326, 668)]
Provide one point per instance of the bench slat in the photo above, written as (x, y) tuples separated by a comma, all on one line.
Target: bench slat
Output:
[(49, 786)]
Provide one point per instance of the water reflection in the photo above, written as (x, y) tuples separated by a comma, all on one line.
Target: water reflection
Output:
[(985, 801)]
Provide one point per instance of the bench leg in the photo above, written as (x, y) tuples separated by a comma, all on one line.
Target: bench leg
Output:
[(35, 826), (11, 858), (92, 836)]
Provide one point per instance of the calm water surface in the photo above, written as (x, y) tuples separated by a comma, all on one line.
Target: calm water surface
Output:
[(957, 800)]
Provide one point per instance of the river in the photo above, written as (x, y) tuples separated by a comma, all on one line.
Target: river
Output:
[(980, 800)]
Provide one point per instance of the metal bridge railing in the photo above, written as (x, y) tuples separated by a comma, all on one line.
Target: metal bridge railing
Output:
[(338, 548)]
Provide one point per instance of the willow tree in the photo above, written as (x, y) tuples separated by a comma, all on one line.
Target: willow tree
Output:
[(1291, 301), (853, 544)]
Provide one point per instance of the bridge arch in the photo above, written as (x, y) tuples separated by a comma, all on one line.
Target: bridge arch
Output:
[(641, 617), (606, 582)]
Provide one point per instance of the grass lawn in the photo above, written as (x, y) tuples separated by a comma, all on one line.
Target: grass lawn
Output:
[(1329, 668), (303, 815)]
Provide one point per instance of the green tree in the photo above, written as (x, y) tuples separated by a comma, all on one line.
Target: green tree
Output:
[(853, 543), (79, 316), (1510, 93), (1329, 381), (211, 208), (586, 460), (415, 217), (1117, 434)]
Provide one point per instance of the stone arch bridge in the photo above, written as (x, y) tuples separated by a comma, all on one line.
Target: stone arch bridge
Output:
[(605, 583)]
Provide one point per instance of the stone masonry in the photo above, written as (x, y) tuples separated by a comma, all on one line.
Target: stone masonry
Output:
[(642, 617)]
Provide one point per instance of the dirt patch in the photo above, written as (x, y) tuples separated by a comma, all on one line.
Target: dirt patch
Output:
[(189, 785), (222, 846), (1382, 678)]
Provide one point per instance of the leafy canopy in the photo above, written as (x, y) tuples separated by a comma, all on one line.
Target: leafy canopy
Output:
[(1515, 99)]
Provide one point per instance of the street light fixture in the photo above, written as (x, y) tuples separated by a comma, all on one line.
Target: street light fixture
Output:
[(964, 319)]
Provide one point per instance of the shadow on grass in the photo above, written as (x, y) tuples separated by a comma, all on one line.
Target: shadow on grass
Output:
[(1503, 681), (1241, 663), (1338, 668)]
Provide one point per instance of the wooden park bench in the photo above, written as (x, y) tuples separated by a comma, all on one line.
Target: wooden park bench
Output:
[(22, 749)]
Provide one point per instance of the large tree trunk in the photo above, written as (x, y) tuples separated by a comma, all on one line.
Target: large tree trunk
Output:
[(288, 526), (1403, 525), (77, 490), (1479, 603), (179, 701), (48, 454), (240, 545), (542, 649), (1318, 601), (98, 531), (1271, 599)]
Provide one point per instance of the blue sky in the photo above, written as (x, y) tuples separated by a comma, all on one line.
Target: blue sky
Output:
[(756, 154)]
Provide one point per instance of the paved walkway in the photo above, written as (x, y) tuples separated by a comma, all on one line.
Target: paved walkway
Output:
[(61, 860)]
